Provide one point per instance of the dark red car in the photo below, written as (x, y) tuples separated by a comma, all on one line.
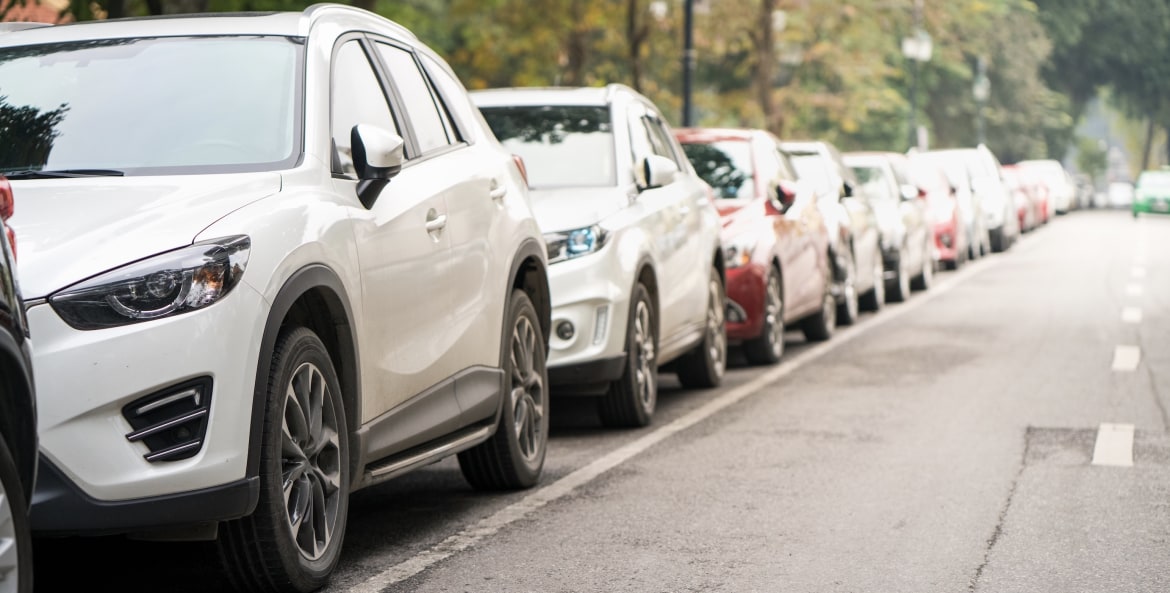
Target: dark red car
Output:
[(774, 240)]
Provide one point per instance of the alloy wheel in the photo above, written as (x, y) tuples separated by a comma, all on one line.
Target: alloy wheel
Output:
[(645, 364), (9, 549), (773, 315), (716, 337), (528, 390), (310, 461)]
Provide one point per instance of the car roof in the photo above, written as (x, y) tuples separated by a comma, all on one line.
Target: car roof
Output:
[(290, 24), (562, 96), (707, 135)]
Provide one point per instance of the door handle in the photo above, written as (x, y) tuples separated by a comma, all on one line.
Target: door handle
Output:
[(435, 222), (498, 191)]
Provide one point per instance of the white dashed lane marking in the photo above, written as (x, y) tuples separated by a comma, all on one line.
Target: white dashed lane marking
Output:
[(1114, 445), (1133, 289), (1131, 315), (1126, 358), (1139, 272)]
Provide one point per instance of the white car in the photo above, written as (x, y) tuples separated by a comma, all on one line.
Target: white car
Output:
[(268, 260), (636, 267)]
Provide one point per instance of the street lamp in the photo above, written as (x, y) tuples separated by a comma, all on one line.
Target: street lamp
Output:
[(981, 89), (916, 48)]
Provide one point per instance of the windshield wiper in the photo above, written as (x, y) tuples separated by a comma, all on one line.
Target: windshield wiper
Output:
[(62, 173)]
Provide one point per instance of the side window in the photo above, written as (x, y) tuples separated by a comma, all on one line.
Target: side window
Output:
[(639, 137), (660, 140), (357, 98), (451, 94), (429, 125)]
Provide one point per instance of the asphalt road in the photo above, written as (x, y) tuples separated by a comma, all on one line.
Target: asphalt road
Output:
[(952, 443)]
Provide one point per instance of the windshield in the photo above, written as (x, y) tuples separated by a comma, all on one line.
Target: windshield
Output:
[(561, 146), (725, 165), (815, 170), (874, 181), (151, 105), (1154, 179)]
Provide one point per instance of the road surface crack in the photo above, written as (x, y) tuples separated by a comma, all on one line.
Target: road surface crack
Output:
[(1003, 513)]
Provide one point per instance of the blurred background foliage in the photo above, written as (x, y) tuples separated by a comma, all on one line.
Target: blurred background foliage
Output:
[(826, 69)]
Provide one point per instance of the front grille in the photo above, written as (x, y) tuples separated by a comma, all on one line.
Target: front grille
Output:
[(171, 423)]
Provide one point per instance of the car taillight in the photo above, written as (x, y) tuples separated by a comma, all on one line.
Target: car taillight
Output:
[(7, 206), (520, 165)]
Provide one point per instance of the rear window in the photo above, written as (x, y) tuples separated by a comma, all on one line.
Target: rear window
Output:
[(562, 146), (725, 165)]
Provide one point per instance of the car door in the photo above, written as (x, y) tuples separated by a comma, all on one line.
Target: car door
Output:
[(471, 181), (684, 271), (797, 228), (402, 247), (913, 209)]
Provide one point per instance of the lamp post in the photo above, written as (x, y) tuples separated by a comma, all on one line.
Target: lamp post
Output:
[(981, 89), (688, 61), (916, 48)]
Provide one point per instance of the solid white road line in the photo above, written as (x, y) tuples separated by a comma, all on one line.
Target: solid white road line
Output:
[(1133, 289), (472, 535), (1126, 358), (1131, 315), (1114, 445), (1139, 272)]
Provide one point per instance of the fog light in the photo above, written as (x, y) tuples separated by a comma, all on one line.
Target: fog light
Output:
[(600, 324), (565, 330)]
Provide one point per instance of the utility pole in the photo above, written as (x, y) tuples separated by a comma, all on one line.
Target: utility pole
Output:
[(688, 61), (916, 48)]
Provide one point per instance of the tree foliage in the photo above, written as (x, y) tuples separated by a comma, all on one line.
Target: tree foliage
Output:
[(833, 70)]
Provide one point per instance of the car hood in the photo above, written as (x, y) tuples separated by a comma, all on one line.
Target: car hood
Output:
[(565, 209), (68, 230)]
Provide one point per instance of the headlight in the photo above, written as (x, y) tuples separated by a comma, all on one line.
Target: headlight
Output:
[(738, 251), (575, 243), (168, 284)]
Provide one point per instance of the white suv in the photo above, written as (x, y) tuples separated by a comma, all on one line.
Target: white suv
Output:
[(269, 260), (633, 239)]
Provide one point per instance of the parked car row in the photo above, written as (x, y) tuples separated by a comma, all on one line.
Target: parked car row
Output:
[(243, 311)]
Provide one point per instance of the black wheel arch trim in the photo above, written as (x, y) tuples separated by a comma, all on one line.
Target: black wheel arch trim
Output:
[(18, 418), (530, 249), (304, 280)]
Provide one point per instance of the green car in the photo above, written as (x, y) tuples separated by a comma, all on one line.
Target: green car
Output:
[(1152, 192)]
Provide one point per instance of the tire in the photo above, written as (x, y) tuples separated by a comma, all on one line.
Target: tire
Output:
[(514, 456), (16, 549), (899, 288), (819, 326), (875, 299), (768, 347), (293, 543), (849, 307), (704, 365), (998, 240), (630, 401), (926, 277)]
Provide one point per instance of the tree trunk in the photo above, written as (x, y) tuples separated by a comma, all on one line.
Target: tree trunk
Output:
[(636, 36), (766, 66)]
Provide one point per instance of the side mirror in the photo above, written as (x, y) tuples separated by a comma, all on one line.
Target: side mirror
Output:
[(909, 192), (377, 157), (658, 171), (785, 196), (846, 189)]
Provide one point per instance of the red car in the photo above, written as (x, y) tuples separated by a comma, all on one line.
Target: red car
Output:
[(942, 211), (1030, 193), (774, 240)]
